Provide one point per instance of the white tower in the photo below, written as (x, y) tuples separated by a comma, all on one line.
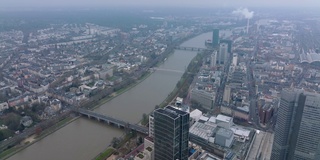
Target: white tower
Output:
[(248, 21), (235, 59), (213, 60)]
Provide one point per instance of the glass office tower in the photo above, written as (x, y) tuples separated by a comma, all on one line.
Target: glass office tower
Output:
[(171, 134), (297, 128)]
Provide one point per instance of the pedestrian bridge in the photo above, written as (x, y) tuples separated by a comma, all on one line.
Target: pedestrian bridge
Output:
[(190, 48), (112, 121)]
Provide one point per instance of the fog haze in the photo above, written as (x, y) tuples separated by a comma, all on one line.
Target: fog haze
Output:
[(23, 4)]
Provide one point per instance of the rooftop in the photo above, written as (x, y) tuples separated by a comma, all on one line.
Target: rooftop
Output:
[(207, 156), (224, 118), (240, 131), (225, 132), (196, 114), (203, 130), (171, 112)]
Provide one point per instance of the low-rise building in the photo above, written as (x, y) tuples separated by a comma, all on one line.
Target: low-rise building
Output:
[(206, 99), (266, 113), (26, 121), (224, 137), (4, 106), (219, 136)]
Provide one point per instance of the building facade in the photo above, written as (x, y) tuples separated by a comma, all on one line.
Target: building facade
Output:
[(213, 60), (215, 38), (229, 42), (151, 126), (234, 59), (206, 99), (171, 134), (297, 129), (223, 53)]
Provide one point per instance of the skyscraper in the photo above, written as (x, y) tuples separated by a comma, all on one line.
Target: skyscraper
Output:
[(297, 128), (213, 60), (171, 134), (234, 59), (215, 38), (229, 42), (223, 53)]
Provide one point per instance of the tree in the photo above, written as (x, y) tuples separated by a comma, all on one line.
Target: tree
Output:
[(144, 118), (12, 120), (2, 136), (115, 142), (38, 130), (178, 84), (139, 140), (36, 107)]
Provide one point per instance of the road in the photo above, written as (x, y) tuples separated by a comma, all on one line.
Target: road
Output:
[(253, 109)]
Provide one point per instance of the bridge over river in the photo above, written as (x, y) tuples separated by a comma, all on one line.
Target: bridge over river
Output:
[(190, 48), (112, 121)]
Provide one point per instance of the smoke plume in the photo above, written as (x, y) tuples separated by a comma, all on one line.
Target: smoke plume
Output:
[(243, 12)]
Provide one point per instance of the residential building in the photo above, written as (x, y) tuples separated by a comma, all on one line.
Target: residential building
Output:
[(3, 106), (151, 126), (171, 134)]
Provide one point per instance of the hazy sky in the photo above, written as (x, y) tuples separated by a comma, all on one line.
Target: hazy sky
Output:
[(7, 4)]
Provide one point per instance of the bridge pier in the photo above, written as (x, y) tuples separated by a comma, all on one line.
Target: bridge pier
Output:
[(112, 121)]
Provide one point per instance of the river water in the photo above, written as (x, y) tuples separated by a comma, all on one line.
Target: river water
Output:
[(83, 139)]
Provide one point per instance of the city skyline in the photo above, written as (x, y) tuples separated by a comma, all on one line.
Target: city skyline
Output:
[(217, 79), (15, 4)]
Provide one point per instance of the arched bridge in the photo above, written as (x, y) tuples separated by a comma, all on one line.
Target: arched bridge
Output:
[(112, 121), (189, 48)]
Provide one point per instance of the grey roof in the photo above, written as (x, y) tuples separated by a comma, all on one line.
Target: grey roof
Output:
[(225, 132), (171, 112)]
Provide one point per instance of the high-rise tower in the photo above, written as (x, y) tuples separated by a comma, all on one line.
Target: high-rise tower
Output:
[(229, 42), (297, 128), (215, 38), (213, 59), (223, 53), (171, 134)]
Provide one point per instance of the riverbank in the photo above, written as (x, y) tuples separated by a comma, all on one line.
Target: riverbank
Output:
[(35, 138), (186, 79), (182, 85), (111, 105), (11, 151)]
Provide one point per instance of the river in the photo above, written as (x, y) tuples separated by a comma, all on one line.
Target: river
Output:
[(83, 139)]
